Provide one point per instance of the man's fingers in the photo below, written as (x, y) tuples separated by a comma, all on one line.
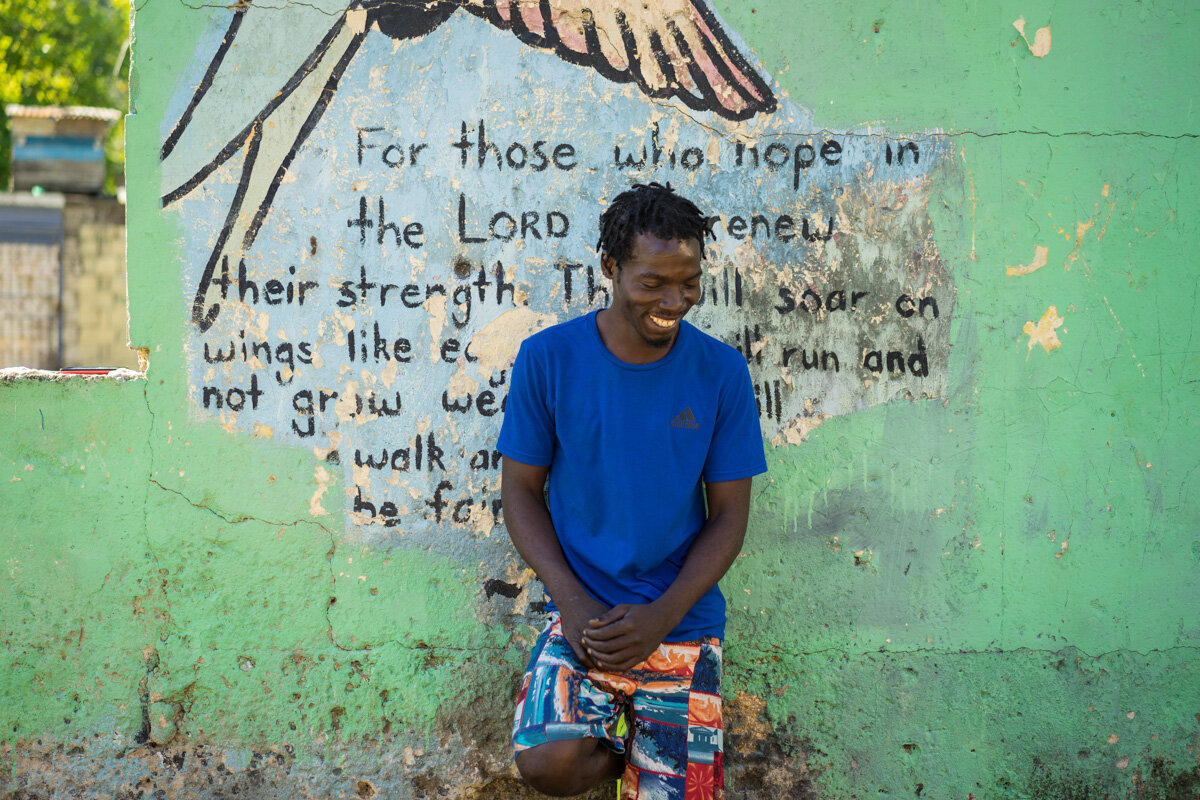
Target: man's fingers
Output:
[(619, 662), (610, 625), (616, 665), (610, 631), (608, 617), (583, 655), (578, 646), (606, 648), (620, 638), (616, 652)]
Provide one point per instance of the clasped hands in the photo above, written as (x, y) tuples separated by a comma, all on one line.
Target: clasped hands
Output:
[(615, 639)]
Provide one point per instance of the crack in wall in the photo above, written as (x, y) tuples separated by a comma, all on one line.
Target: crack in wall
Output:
[(242, 4), (170, 619), (893, 136), (220, 514), (234, 520), (776, 650)]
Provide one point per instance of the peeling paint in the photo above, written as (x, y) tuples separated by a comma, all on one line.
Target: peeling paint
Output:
[(1045, 331), (1041, 40), (799, 429), (1040, 254), (497, 343), (1082, 228), (321, 477)]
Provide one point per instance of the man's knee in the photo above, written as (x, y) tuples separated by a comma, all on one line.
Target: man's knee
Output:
[(567, 767)]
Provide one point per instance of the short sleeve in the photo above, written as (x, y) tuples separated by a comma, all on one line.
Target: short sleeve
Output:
[(737, 449), (527, 433)]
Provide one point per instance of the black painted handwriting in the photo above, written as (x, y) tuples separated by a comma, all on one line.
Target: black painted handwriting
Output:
[(272, 292), (777, 156), (536, 157), (503, 225)]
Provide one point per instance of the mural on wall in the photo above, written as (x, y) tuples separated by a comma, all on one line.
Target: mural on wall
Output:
[(376, 204)]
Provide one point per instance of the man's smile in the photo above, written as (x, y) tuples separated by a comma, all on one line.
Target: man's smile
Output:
[(653, 288)]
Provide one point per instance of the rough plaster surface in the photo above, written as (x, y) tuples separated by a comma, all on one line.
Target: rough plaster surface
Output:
[(991, 592)]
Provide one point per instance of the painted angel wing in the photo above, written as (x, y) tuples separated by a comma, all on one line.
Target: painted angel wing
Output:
[(668, 48), (223, 87), (191, 153), (677, 49)]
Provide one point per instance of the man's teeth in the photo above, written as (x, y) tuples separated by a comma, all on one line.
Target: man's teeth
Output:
[(662, 322)]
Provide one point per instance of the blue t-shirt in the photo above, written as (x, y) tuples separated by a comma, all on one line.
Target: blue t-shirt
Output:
[(629, 448)]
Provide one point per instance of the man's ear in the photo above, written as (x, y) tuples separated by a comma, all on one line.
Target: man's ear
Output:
[(608, 266)]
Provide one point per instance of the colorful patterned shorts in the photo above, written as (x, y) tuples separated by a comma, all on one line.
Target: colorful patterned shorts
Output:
[(675, 702)]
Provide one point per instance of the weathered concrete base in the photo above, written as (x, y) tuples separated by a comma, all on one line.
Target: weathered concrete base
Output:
[(762, 766), (759, 769)]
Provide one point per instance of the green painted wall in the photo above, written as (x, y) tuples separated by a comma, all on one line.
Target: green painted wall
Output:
[(991, 593)]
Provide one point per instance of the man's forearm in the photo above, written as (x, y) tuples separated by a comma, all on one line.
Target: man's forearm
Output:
[(628, 633), (532, 533), (712, 553)]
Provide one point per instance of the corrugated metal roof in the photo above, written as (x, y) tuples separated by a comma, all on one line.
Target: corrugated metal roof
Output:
[(62, 112)]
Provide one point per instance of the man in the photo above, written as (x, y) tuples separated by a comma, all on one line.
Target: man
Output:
[(647, 430)]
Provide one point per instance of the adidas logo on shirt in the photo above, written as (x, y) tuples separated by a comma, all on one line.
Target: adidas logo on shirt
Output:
[(685, 420)]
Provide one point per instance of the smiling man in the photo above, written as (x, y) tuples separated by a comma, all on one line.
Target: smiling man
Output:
[(647, 431)]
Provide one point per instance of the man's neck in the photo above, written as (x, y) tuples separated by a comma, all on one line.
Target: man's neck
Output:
[(626, 345)]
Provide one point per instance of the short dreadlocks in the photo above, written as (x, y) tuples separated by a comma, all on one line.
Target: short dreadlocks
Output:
[(649, 208)]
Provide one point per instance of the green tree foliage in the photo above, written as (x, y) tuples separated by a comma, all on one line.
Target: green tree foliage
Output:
[(65, 52), (5, 148)]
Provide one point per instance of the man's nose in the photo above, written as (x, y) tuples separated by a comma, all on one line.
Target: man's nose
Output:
[(673, 299)]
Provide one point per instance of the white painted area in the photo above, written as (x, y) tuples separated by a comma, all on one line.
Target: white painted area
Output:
[(416, 412)]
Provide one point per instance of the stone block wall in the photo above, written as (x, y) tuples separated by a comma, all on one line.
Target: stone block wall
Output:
[(62, 285), (29, 294), (95, 305)]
